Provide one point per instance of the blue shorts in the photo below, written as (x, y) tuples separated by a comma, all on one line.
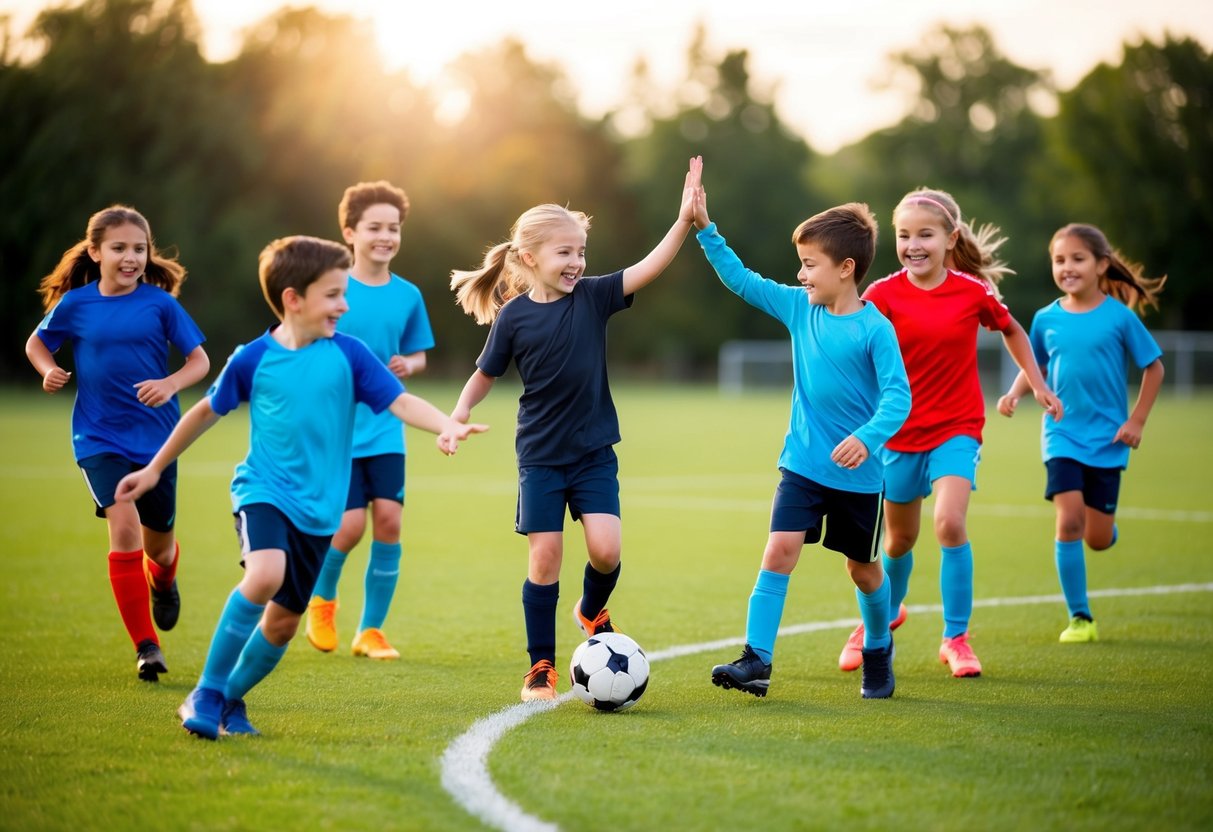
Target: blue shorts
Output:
[(157, 508), (262, 526), (588, 486), (375, 478), (855, 522), (909, 475), (1100, 487)]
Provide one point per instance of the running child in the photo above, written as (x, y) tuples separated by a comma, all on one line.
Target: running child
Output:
[(388, 314), (550, 320), (301, 380), (946, 290), (849, 395), (113, 297), (1083, 342)]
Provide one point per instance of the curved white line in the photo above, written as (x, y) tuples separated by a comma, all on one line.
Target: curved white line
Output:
[(465, 771)]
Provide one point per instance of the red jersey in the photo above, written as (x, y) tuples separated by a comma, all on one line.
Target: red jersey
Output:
[(937, 332)]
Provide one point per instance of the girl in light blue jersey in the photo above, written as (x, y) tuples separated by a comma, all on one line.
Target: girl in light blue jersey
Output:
[(1082, 342)]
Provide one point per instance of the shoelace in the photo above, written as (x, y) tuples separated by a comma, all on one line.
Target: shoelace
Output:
[(326, 614), (601, 623), (377, 639), (540, 674)]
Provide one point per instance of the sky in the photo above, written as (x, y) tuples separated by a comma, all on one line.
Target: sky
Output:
[(825, 64)]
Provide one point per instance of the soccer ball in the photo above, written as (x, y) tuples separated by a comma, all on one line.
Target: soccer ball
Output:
[(609, 672)]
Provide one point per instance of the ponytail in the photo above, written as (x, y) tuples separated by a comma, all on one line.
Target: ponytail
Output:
[(974, 252), (1124, 279)]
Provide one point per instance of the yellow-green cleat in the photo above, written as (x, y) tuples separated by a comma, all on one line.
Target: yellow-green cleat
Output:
[(1080, 631)]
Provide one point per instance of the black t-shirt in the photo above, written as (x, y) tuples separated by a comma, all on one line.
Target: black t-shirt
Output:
[(565, 410)]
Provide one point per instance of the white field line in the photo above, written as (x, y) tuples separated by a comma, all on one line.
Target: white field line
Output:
[(465, 771)]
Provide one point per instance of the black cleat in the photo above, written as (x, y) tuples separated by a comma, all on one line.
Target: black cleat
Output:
[(877, 673), (749, 673), (150, 661), (166, 607)]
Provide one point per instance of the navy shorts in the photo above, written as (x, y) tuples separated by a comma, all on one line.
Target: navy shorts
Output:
[(375, 478), (855, 520), (588, 486), (1100, 487), (157, 508), (262, 526)]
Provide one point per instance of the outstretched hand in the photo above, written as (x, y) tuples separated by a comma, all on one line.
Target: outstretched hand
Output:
[(690, 186), (449, 439)]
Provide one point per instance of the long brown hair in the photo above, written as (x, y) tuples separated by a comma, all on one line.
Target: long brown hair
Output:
[(974, 252), (1124, 279), (76, 268), (503, 275)]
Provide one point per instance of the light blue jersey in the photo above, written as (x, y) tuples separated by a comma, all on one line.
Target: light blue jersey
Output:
[(848, 375), (301, 422), (391, 320), (1085, 355)]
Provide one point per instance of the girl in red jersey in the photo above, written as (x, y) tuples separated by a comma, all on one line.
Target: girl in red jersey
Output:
[(946, 289)]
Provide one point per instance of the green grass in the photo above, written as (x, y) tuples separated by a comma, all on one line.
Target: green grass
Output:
[(1115, 735)]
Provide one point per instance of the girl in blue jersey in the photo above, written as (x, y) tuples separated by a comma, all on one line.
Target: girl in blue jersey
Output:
[(1082, 342), (550, 320), (113, 298)]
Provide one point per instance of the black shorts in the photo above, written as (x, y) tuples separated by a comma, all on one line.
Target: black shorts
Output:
[(1100, 487), (157, 508), (856, 520), (588, 486), (262, 526), (375, 478)]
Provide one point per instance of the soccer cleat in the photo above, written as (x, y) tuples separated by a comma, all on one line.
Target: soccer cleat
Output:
[(201, 712), (539, 682), (234, 720), (877, 673), (149, 661), (851, 656), (749, 673), (600, 624), (958, 655), (373, 644), (166, 606), (1081, 630), (322, 624)]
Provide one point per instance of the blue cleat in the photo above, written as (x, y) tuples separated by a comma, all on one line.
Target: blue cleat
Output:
[(749, 673), (235, 720), (201, 712)]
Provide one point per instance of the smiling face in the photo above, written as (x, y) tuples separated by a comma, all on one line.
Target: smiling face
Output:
[(375, 238), (923, 243), (121, 258), (1076, 269), (824, 280), (557, 263), (314, 314)]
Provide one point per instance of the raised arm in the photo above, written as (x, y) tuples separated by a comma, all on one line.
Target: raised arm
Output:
[(54, 377), (196, 421), (646, 271)]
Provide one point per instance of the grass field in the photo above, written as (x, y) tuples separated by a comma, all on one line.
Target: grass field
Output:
[(1114, 735)]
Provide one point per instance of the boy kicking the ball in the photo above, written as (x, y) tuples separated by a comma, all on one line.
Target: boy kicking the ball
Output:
[(302, 380), (849, 395)]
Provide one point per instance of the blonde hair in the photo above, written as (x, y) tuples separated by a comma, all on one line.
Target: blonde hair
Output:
[(503, 274), (1124, 279), (76, 268), (974, 251)]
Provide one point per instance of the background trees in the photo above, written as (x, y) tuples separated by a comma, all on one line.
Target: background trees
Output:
[(120, 106)]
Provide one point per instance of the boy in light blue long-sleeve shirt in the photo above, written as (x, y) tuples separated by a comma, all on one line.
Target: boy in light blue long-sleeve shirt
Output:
[(849, 395)]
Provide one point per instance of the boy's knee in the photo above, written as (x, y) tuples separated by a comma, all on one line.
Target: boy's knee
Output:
[(950, 530)]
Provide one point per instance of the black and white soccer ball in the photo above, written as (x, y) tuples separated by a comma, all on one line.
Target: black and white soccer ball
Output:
[(609, 671)]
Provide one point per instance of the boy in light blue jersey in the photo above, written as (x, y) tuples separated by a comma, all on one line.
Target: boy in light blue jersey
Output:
[(849, 395), (301, 380), (388, 314)]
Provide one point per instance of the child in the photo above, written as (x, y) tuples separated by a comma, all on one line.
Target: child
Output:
[(113, 298), (1082, 341), (551, 321), (388, 314), (935, 303), (849, 395), (301, 380)]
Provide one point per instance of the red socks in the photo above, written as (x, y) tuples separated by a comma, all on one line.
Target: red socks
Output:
[(160, 578), (131, 593)]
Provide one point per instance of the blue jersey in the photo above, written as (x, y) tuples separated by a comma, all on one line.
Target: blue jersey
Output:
[(391, 320), (118, 341), (565, 410), (848, 375), (1085, 355), (301, 422)]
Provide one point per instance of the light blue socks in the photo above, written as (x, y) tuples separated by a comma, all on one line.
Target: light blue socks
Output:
[(382, 573), (898, 571), (1072, 572), (236, 623), (874, 609), (330, 573), (765, 613), (257, 659), (956, 587)]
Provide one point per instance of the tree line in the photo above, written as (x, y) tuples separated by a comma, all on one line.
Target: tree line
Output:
[(119, 105)]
